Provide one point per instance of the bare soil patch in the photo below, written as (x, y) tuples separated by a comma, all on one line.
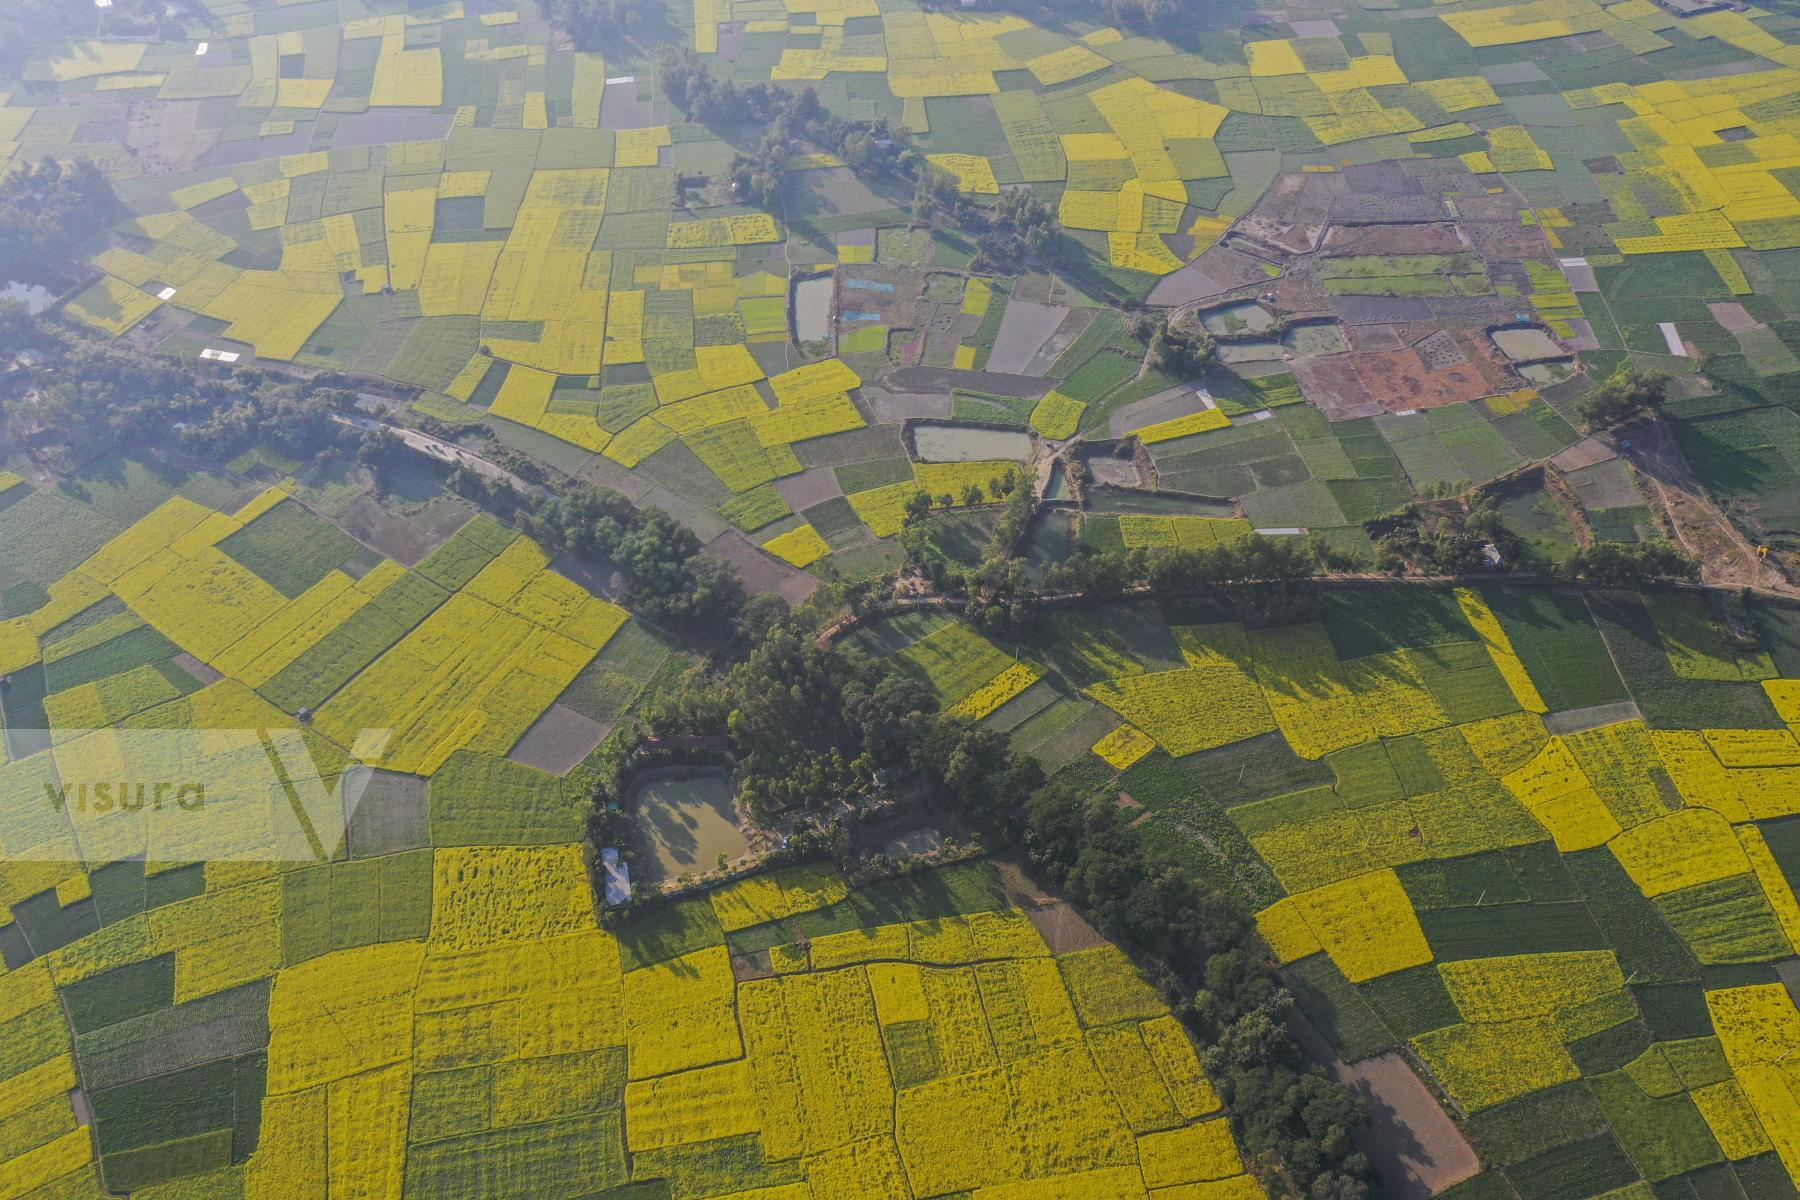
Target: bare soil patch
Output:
[(759, 571), (558, 740), (406, 539)]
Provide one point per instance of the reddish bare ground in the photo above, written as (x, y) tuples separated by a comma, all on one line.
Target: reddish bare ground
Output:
[(1411, 1140)]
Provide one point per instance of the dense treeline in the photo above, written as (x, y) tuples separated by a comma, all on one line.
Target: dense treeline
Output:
[(1295, 1123), (810, 727), (1263, 580), (666, 575), (796, 119), (47, 210), (668, 578)]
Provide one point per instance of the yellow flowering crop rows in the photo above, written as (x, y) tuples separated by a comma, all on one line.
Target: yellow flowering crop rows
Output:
[(949, 478), (1484, 1065), (1192, 709), (1123, 747), (1057, 416), (883, 509), (802, 419), (1366, 923), (776, 896), (815, 381), (1759, 1028), (1559, 794), (996, 691), (1200, 422), (1684, 849), (112, 305), (1323, 705), (747, 230), (478, 671), (1500, 649), (679, 1014), (1185, 532), (972, 172)]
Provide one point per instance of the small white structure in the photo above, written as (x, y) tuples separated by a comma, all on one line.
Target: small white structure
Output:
[(224, 356), (167, 293), (202, 48), (621, 79), (618, 876), (1673, 339)]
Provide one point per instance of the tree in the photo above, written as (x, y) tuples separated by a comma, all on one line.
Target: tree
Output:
[(1611, 564), (595, 24), (383, 454), (47, 210), (1181, 351), (1626, 393)]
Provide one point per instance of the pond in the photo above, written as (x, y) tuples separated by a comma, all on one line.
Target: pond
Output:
[(1058, 487), (685, 820), (1243, 317), (1052, 537), (33, 297), (1315, 337), (1545, 373), (1527, 345), (963, 443), (812, 308)]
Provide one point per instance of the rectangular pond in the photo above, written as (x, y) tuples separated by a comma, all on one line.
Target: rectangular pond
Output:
[(966, 443), (685, 819), (812, 309)]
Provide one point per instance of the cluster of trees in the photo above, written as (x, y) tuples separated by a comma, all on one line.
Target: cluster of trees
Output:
[(93, 392), (1183, 351), (712, 101), (1622, 565), (796, 120), (28, 28), (1018, 227), (1626, 393), (667, 577), (597, 24), (809, 726), (1440, 541), (1008, 235), (1266, 581), (47, 209)]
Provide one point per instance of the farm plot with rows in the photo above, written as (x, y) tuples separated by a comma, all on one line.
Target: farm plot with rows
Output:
[(1482, 851), (1413, 244), (932, 306)]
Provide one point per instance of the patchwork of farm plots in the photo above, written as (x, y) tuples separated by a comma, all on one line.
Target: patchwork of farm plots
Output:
[(459, 1026), (1546, 846), (430, 1008), (450, 198)]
